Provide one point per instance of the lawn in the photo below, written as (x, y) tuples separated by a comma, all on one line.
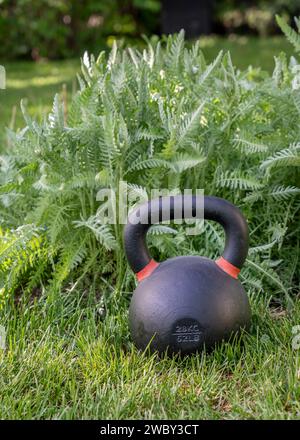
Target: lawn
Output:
[(36, 83), (64, 362), (66, 359)]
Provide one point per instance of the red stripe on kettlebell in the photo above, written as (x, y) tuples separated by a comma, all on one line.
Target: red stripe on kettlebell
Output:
[(148, 269), (229, 268)]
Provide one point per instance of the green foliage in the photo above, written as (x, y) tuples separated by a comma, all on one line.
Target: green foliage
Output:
[(292, 36), (64, 28), (290, 33), (24, 259), (161, 118)]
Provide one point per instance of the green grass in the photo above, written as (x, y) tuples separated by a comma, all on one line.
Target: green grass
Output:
[(63, 360), (36, 83), (245, 51)]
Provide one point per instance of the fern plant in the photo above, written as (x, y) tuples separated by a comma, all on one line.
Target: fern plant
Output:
[(292, 36), (161, 118), (24, 260)]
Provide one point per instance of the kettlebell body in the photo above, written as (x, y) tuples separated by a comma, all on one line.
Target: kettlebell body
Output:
[(187, 303)]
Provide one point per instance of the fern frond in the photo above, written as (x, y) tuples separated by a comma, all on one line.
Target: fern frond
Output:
[(134, 56), (140, 165), (249, 146), (264, 270), (281, 192), (236, 180), (175, 51), (189, 126), (56, 117), (161, 229), (137, 191), (292, 36), (21, 251), (184, 161), (210, 69), (262, 248), (112, 56), (70, 257), (102, 232), (283, 158)]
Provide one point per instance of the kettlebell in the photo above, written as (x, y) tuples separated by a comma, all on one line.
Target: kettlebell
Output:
[(186, 303)]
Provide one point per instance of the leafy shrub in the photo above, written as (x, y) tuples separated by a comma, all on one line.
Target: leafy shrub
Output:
[(64, 28), (162, 118)]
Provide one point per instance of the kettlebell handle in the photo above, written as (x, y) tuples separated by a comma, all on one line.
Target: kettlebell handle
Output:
[(216, 209)]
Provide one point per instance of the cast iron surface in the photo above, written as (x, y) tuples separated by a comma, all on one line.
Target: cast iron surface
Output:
[(188, 302), (185, 303)]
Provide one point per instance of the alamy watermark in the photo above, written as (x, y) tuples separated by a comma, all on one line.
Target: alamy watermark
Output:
[(162, 206), (2, 337), (2, 77)]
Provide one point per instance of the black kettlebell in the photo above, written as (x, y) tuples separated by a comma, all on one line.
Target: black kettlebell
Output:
[(188, 302)]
